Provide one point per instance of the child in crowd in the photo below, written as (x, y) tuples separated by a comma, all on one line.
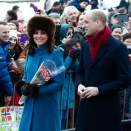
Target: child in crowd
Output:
[(66, 33), (17, 75), (80, 4)]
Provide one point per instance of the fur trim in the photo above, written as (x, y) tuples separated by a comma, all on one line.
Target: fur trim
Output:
[(34, 92), (18, 86), (41, 23)]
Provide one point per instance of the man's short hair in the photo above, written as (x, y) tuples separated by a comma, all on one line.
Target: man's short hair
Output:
[(126, 36), (3, 23), (99, 15), (11, 24), (69, 8), (15, 7)]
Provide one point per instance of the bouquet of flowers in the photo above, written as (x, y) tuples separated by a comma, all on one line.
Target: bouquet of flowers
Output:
[(46, 71)]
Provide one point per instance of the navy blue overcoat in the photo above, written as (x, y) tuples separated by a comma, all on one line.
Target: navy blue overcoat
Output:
[(110, 72)]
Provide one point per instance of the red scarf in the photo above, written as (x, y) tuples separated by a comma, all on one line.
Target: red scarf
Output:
[(97, 41)]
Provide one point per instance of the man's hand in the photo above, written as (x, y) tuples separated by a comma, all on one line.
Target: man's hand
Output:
[(90, 91), (7, 99), (81, 89)]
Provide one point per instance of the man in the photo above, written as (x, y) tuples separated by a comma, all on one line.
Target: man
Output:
[(103, 71), (71, 13), (16, 8), (6, 87)]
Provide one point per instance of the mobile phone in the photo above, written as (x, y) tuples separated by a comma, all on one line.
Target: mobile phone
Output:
[(39, 11), (122, 18), (24, 38)]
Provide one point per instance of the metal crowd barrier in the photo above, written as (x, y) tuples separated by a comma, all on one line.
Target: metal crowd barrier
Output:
[(126, 97)]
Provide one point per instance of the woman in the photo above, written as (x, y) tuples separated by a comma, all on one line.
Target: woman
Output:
[(79, 31), (11, 15), (13, 44), (41, 110), (116, 31), (71, 53)]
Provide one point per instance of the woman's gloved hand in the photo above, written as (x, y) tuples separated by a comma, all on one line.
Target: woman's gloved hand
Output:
[(30, 89), (71, 52)]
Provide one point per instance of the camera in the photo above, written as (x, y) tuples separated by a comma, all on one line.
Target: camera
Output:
[(77, 52)]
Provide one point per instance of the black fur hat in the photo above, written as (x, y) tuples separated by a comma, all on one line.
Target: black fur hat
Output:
[(41, 23)]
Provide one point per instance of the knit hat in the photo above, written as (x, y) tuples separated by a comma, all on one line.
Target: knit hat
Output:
[(13, 34), (83, 1), (20, 16), (54, 14), (115, 26), (56, 3)]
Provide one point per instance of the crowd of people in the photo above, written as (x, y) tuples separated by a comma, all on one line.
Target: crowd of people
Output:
[(94, 46)]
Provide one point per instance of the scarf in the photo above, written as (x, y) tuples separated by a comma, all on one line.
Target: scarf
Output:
[(97, 41)]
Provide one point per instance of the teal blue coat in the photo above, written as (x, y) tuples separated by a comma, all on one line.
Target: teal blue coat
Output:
[(42, 113)]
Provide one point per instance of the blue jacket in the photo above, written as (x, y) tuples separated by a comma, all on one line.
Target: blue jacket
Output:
[(74, 67), (42, 113), (110, 72), (6, 86), (94, 6), (77, 5)]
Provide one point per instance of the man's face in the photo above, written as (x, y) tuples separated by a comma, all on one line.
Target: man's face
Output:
[(129, 20), (72, 14), (4, 33), (57, 7), (89, 26), (12, 27)]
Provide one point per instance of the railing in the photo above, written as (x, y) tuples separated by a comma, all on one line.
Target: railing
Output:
[(126, 97)]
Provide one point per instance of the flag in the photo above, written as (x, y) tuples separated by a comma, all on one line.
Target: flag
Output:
[(5, 114)]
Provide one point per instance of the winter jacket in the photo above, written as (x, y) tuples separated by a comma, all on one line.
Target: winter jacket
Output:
[(94, 6), (6, 86), (42, 113)]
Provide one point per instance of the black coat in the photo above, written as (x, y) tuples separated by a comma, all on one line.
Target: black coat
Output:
[(110, 72)]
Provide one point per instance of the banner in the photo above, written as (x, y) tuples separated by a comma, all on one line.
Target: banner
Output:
[(10, 118)]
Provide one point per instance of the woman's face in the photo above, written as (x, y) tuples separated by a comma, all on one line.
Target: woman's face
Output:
[(81, 21), (13, 41), (7, 17), (78, 45), (70, 32), (25, 28), (40, 37), (116, 33)]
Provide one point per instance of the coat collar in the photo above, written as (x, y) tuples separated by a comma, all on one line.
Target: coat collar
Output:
[(101, 52), (41, 49)]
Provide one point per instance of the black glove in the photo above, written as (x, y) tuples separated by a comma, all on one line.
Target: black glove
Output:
[(30, 89), (18, 86)]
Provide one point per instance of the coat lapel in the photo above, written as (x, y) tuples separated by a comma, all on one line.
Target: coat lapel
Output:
[(101, 52)]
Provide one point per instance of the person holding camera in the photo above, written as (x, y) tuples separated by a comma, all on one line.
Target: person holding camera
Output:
[(71, 54)]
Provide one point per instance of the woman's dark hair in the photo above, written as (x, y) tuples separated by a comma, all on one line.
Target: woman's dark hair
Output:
[(126, 36), (12, 14), (40, 23), (69, 45)]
